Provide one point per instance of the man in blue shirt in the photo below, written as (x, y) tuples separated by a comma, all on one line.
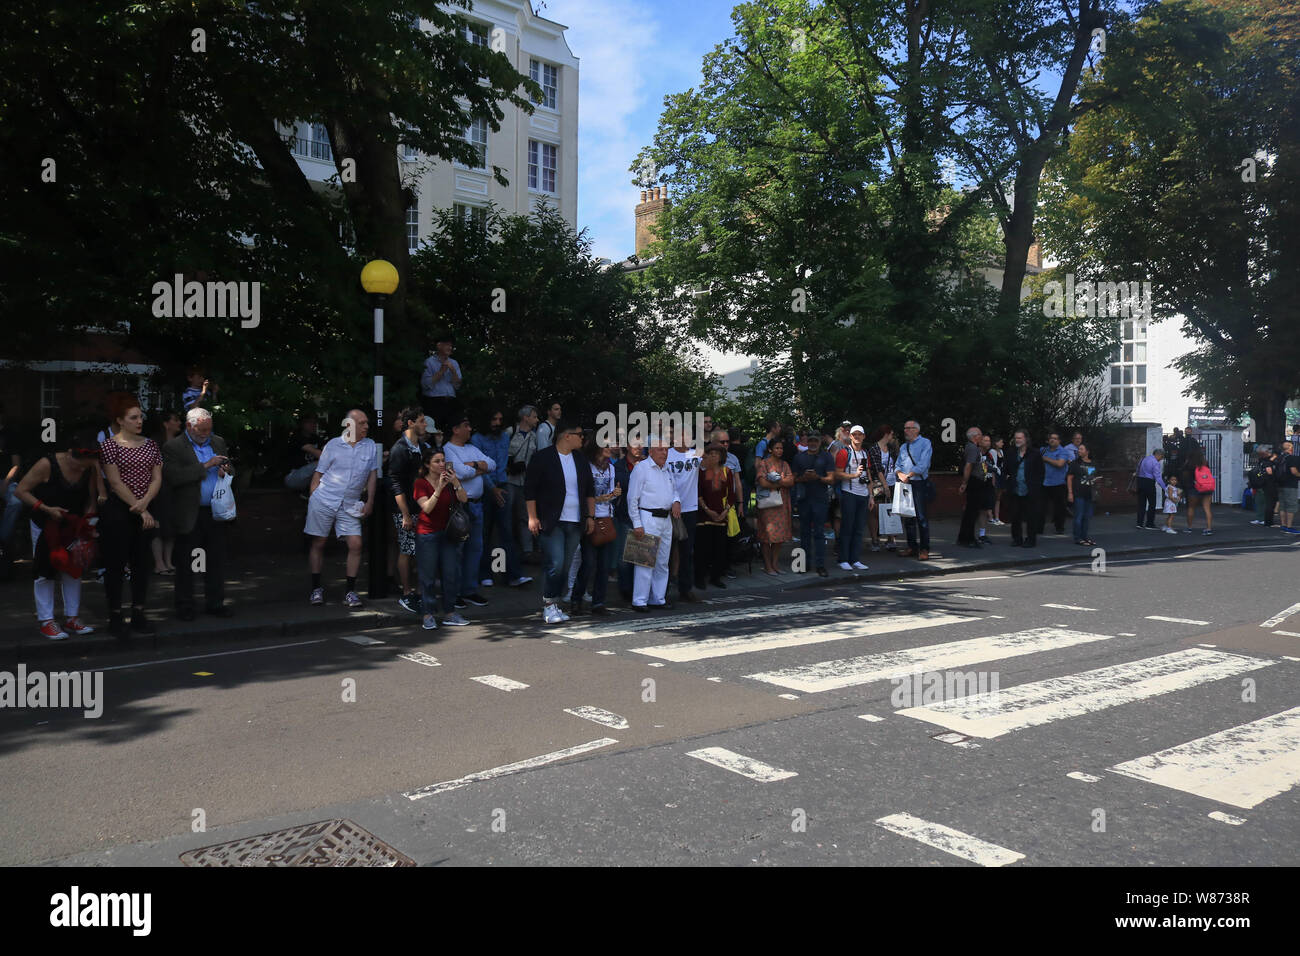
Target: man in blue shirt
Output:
[(495, 444), (1056, 462), (914, 470)]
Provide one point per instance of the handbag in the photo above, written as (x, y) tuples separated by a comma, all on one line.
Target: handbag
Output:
[(458, 522), (879, 491), (772, 500), (889, 523), (904, 507), (603, 533)]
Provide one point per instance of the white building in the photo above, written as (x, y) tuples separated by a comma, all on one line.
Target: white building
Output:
[(538, 154)]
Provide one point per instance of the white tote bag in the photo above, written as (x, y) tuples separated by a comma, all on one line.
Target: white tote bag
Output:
[(903, 506), (890, 523), (223, 499)]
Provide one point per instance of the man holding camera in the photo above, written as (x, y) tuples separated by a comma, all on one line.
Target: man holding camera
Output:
[(192, 462)]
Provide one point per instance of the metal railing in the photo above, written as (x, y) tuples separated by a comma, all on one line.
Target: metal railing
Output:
[(310, 148)]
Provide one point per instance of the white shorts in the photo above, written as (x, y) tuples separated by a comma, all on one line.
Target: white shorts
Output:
[(321, 517)]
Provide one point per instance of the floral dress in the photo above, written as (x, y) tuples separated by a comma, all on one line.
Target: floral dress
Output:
[(774, 523)]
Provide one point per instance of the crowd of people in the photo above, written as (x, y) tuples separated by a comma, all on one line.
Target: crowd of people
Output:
[(470, 508)]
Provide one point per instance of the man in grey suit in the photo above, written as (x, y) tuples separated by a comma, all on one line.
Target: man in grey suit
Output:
[(192, 462)]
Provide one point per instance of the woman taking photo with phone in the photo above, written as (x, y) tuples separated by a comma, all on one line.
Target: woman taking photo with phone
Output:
[(133, 472), (436, 556)]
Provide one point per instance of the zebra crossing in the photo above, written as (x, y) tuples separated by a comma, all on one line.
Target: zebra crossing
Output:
[(1236, 767)]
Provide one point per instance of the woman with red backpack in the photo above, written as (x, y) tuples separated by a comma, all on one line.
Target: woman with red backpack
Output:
[(1198, 481)]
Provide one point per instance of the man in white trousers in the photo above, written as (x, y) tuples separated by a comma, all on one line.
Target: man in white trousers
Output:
[(652, 501)]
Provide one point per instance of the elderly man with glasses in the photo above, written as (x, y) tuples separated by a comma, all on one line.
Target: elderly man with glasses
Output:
[(914, 470)]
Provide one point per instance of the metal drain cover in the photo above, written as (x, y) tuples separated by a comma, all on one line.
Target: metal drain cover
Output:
[(326, 843)]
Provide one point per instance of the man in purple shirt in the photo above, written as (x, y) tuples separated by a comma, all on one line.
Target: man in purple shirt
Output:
[(1149, 478)]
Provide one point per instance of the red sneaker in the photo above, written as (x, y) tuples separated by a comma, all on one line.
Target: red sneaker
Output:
[(52, 631), (76, 628)]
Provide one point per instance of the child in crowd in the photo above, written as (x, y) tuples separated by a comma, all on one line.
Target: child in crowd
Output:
[(1173, 498)]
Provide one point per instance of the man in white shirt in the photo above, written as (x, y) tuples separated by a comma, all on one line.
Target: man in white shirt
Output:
[(472, 467), (439, 381), (652, 500), (684, 463), (546, 430), (348, 466)]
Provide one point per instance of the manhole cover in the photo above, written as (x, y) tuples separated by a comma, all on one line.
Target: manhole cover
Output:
[(327, 843)]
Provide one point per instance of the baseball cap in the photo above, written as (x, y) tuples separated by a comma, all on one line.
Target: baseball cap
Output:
[(845, 424), (857, 428)]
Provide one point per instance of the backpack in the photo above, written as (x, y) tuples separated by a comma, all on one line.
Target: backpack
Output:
[(1204, 479)]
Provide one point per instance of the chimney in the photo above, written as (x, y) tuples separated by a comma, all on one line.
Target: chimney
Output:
[(1035, 257), (653, 202)]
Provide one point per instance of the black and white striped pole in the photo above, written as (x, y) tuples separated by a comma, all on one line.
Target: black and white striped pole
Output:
[(380, 279)]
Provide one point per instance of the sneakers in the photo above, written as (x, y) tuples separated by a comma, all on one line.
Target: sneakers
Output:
[(408, 602), (485, 583), (53, 631), (845, 566), (520, 582), (875, 547), (551, 614), (1170, 531), (1187, 531), (460, 604), (351, 600), (1257, 521), (1207, 531), (455, 620), (859, 566), (318, 596), (75, 628), (430, 623), (476, 599)]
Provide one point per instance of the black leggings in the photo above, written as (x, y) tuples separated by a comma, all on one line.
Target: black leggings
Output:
[(712, 549), (123, 540)]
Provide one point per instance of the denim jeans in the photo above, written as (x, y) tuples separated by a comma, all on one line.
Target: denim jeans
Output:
[(920, 525), (853, 521), (1082, 518), (497, 523), (812, 521), (10, 509), (625, 568), (558, 545), (436, 557), (686, 554), (595, 560), (472, 549)]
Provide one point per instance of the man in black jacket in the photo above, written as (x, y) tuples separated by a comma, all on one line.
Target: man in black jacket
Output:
[(1024, 497), (561, 497), (403, 468)]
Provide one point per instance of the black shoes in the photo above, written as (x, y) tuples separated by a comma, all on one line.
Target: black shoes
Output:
[(640, 608), (140, 624)]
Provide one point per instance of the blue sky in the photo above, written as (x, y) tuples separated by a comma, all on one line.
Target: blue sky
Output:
[(631, 54)]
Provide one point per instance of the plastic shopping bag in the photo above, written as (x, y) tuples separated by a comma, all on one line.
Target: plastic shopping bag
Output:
[(223, 499), (903, 505)]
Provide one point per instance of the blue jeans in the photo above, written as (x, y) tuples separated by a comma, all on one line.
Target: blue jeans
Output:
[(434, 554), (558, 546), (10, 509), (472, 551), (595, 560), (1082, 518), (625, 568), (853, 521), (497, 518), (686, 554), (812, 520), (920, 525)]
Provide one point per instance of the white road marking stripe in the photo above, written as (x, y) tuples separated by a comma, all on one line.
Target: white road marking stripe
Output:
[(870, 717), (605, 717), (1288, 633), (419, 657), (710, 618), (948, 840), (1127, 634), (977, 597), (833, 675), (1195, 553), (789, 696), (656, 664), (362, 640), (745, 766), (1059, 567), (1286, 658), (716, 680), (1174, 620), (201, 657), (1207, 645), (1085, 777), (798, 637), (1241, 766), (606, 653), (509, 768), (1069, 607), (500, 683), (1226, 818), (1281, 616), (959, 579), (999, 712), (886, 587)]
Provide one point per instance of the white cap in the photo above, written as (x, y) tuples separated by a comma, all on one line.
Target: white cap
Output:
[(857, 428)]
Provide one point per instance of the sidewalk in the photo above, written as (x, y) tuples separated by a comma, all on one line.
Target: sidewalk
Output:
[(269, 593)]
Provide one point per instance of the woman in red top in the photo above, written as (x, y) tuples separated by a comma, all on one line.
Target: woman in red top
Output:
[(433, 491), (718, 492), (133, 469)]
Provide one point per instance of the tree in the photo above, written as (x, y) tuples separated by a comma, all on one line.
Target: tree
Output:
[(809, 215), (1189, 180), (539, 319)]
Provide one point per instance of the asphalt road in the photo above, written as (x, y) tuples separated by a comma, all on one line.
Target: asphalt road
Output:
[(757, 730)]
